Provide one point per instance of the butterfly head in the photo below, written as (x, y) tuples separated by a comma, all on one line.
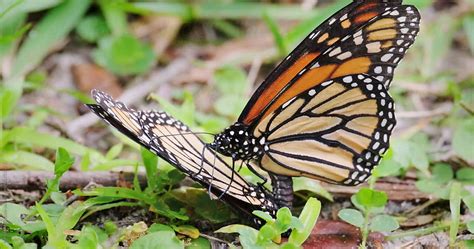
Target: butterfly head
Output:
[(236, 142)]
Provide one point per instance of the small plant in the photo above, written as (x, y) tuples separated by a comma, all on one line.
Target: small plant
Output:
[(270, 234), (369, 218)]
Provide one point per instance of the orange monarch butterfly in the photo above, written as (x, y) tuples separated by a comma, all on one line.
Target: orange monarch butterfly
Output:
[(324, 112)]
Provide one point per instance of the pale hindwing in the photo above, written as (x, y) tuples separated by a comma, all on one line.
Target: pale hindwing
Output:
[(174, 142), (335, 132), (184, 149)]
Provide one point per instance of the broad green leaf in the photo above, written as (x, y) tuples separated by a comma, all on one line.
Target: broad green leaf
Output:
[(124, 55), (387, 167), (248, 235), (231, 80), (199, 243), (28, 159), (371, 198), (308, 217), (230, 105), (5, 245), (470, 226), (352, 216), (19, 243), (469, 201), (92, 28), (383, 223), (187, 230), (442, 173), (156, 227), (13, 213), (158, 240), (263, 215), (462, 140), (468, 25), (303, 183)]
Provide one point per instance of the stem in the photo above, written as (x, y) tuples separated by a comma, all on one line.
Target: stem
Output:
[(455, 207), (422, 231), (365, 230)]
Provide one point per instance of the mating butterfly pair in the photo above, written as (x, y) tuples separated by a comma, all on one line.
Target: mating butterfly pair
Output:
[(324, 112)]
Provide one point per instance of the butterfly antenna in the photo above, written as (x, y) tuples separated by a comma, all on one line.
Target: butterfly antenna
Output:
[(231, 180), (212, 173)]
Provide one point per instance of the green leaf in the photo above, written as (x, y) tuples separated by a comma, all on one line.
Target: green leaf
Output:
[(150, 161), (92, 28), (469, 201), (371, 198), (263, 215), (63, 161), (124, 55), (49, 31), (279, 41), (230, 105), (115, 16), (19, 243), (430, 186), (156, 227), (470, 226), (199, 243), (455, 208), (387, 167), (308, 217), (303, 183), (410, 153), (352, 216), (5, 245), (465, 175), (468, 25), (248, 235), (383, 223), (13, 213), (114, 151), (231, 80), (158, 240), (25, 158), (462, 139), (442, 173)]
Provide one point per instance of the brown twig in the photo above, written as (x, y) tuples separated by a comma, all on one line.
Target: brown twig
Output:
[(36, 180), (396, 190)]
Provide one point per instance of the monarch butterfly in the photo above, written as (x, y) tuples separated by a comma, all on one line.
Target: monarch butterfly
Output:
[(324, 112), (173, 141)]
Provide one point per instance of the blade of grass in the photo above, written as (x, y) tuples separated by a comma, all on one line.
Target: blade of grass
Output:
[(115, 17), (52, 28), (279, 41), (232, 10), (16, 7), (455, 207), (28, 159), (32, 137)]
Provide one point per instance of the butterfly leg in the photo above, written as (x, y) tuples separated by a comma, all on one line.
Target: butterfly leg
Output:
[(282, 190), (257, 174)]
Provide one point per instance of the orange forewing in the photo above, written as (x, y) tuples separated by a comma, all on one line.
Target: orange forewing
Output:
[(278, 85)]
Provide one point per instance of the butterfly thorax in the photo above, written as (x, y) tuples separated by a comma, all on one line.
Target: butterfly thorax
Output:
[(237, 142)]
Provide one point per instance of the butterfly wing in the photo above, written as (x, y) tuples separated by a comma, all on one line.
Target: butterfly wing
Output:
[(366, 37), (175, 143), (335, 131)]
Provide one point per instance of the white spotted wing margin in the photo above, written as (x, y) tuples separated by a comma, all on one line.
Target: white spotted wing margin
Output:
[(174, 142)]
